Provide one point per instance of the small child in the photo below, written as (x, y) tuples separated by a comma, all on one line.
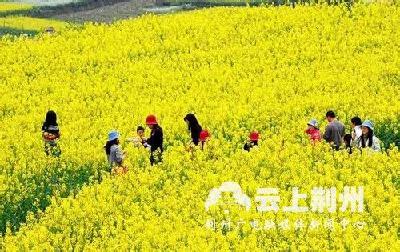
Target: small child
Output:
[(253, 141), (115, 155), (140, 139), (348, 141), (51, 134), (204, 135), (313, 131)]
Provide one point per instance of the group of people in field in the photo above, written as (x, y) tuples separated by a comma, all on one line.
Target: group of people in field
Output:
[(361, 136)]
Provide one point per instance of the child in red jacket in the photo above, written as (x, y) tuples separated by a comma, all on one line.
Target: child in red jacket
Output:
[(313, 131)]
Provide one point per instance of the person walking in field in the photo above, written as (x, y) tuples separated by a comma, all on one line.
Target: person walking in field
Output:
[(368, 138), (253, 141), (313, 131), (356, 132), (334, 131), (115, 154), (194, 128), (155, 141), (51, 134)]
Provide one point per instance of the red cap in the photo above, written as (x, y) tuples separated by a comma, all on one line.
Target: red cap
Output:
[(204, 135), (254, 136), (151, 120)]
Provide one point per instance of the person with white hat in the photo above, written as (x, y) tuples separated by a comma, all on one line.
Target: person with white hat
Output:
[(368, 138), (114, 153), (313, 131)]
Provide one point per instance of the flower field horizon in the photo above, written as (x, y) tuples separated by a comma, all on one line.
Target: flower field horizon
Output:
[(238, 70)]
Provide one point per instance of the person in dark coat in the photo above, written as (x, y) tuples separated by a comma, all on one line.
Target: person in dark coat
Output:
[(155, 141), (51, 134), (194, 127)]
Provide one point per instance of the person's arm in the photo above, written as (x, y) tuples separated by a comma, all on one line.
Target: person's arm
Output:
[(376, 145), (328, 133), (119, 155)]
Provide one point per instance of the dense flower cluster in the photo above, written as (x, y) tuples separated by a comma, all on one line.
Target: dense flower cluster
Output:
[(238, 69)]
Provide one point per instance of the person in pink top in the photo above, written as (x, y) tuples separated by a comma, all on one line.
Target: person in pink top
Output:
[(313, 131)]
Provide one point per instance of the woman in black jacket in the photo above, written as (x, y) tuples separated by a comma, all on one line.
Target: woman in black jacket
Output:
[(155, 141), (51, 134), (194, 127)]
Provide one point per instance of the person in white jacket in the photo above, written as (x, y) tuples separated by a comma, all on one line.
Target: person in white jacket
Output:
[(356, 133), (368, 139)]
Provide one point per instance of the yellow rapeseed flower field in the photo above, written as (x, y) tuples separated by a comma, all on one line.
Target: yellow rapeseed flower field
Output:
[(5, 7), (32, 24), (238, 69)]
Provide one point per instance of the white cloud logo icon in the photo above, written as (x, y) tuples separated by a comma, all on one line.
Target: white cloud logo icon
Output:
[(232, 187)]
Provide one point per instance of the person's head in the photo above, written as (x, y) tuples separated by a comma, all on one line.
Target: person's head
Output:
[(367, 128), (51, 117), (191, 121), (254, 136), (151, 121), (140, 131), (313, 124), (330, 116), (113, 136), (367, 132), (356, 121)]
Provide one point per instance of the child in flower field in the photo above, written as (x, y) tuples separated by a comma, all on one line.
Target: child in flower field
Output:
[(140, 139), (155, 141), (348, 140), (204, 135), (253, 141), (368, 138), (51, 134), (115, 155), (313, 131), (194, 128)]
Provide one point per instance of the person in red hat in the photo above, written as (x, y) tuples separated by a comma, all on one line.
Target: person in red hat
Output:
[(155, 141), (204, 135), (253, 141)]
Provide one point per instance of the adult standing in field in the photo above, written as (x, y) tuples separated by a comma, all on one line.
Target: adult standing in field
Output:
[(194, 128), (368, 138), (115, 154), (155, 141), (51, 134), (334, 131), (357, 130)]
